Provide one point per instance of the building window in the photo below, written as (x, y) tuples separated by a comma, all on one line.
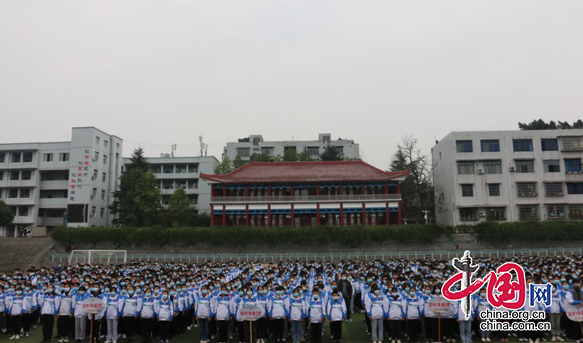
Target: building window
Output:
[(104, 159), (556, 211), (14, 175), (313, 150), (496, 213), (528, 212), (524, 166), (102, 212), (1, 175), (192, 183), (490, 145), (326, 138), (468, 213), (494, 189), (25, 193), (549, 144), (340, 150), (2, 157), (526, 189), (23, 211), (465, 167), (551, 166), (13, 193), (26, 175), (63, 156), (492, 167), (575, 187), (96, 157), (15, 157), (102, 195), (243, 152), (464, 146), (47, 157), (572, 165), (93, 209), (93, 193), (95, 172), (467, 190), (27, 157), (576, 211), (267, 151), (103, 177), (522, 144), (97, 140), (105, 143), (553, 189), (256, 141), (572, 143)]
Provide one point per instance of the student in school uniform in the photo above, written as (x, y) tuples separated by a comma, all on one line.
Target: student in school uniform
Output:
[(396, 314), (65, 313), (261, 301), (277, 312), (30, 305), (203, 313), (316, 314), (80, 315), (113, 311), (130, 312), (146, 314), (221, 307), (15, 311), (554, 315), (414, 313), (164, 315), (464, 324), (49, 307), (377, 307), (296, 314), (336, 315)]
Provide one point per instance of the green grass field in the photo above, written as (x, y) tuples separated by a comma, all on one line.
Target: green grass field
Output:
[(351, 332)]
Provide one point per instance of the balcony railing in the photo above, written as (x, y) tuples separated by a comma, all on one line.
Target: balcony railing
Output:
[(304, 198)]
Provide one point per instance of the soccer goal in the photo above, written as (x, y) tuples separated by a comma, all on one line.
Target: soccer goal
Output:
[(98, 256)]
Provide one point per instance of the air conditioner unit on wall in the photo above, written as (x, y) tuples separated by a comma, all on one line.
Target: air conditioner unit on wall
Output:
[(480, 171), (512, 169)]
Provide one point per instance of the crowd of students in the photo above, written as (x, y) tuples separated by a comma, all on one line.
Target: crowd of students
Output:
[(163, 301)]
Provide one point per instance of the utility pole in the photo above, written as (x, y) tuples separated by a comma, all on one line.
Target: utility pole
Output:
[(426, 212), (173, 147)]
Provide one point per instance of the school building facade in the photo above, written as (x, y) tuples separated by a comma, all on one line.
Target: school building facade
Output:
[(277, 194)]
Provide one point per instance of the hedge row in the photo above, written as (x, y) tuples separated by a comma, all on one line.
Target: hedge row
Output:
[(241, 236), (531, 231)]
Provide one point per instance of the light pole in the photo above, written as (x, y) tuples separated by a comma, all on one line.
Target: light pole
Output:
[(426, 212)]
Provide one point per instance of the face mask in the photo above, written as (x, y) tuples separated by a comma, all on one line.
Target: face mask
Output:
[(296, 295), (148, 295), (395, 294), (241, 293), (49, 290), (131, 292), (412, 293), (123, 291), (377, 292), (335, 298), (156, 292), (249, 293), (566, 287), (172, 294), (427, 291), (437, 291), (223, 292), (279, 292), (204, 291), (19, 292), (316, 297), (81, 292), (164, 296), (344, 278), (483, 295)]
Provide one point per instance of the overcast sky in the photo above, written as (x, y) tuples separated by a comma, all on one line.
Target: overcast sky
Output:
[(161, 72)]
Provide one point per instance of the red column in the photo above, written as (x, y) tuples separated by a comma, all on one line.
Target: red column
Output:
[(387, 221), (398, 187), (400, 215), (212, 214), (224, 215), (341, 214), (293, 221), (246, 189), (363, 214), (340, 189), (269, 189), (291, 187), (387, 187), (247, 215), (212, 190), (363, 192), (317, 188), (268, 215), (317, 214)]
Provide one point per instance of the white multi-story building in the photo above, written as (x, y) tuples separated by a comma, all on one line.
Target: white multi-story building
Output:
[(255, 144), (62, 183), (183, 172), (508, 176)]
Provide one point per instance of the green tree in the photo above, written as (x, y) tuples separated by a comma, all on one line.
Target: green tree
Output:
[(238, 162), (139, 161), (331, 153), (260, 157), (417, 188), (304, 156), (225, 167), (290, 155), (180, 207), (542, 125), (137, 201), (6, 214)]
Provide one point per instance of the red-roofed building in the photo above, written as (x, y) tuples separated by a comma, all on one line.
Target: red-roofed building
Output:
[(305, 194)]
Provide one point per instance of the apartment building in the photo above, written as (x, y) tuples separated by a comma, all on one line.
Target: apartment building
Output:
[(183, 172), (61, 183), (255, 144), (508, 176)]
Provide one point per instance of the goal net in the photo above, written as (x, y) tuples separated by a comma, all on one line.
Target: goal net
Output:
[(98, 256)]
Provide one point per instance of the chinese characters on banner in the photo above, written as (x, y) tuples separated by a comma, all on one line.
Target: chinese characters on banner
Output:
[(79, 172)]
